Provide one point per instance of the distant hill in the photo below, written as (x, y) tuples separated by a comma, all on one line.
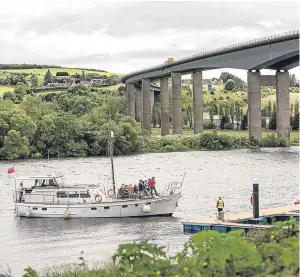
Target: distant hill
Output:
[(28, 70)]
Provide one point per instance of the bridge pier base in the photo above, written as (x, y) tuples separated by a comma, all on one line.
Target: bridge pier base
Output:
[(164, 101), (176, 103), (254, 104), (138, 105), (131, 100), (198, 102), (283, 105), (146, 123)]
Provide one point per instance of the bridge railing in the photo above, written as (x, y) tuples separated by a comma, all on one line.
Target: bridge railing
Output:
[(221, 49)]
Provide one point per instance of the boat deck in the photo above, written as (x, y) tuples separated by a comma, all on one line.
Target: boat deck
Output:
[(243, 220)]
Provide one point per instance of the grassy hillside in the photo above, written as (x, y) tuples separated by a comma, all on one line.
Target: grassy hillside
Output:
[(4, 89), (71, 71), (40, 73), (293, 98)]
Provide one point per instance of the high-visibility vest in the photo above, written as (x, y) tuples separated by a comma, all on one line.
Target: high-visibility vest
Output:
[(220, 204)]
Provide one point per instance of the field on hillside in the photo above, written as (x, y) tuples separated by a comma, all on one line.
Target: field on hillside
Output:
[(71, 71), (293, 98), (5, 89), (240, 95)]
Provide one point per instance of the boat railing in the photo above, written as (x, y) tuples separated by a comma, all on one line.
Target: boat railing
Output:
[(172, 188)]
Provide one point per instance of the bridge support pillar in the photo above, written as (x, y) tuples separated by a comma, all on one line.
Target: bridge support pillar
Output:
[(254, 104), (138, 105), (198, 102), (164, 101), (283, 105), (131, 100), (146, 92), (176, 103)]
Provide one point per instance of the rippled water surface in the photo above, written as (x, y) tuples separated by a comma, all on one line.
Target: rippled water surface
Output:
[(41, 243)]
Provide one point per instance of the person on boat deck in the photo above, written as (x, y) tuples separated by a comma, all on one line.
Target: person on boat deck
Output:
[(152, 186), (130, 188), (20, 192), (145, 189), (122, 186), (140, 185), (136, 189), (220, 204)]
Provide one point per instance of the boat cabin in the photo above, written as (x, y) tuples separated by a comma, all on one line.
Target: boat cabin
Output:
[(50, 189)]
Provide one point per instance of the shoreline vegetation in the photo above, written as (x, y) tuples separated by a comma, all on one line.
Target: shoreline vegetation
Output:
[(74, 121), (269, 252)]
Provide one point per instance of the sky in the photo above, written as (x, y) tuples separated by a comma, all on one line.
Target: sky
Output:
[(127, 36)]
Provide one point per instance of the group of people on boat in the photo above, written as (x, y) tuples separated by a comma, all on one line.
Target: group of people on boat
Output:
[(140, 190)]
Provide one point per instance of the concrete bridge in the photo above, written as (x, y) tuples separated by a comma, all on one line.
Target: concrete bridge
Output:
[(277, 52)]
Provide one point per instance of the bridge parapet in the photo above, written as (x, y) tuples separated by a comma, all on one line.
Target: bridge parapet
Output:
[(222, 50)]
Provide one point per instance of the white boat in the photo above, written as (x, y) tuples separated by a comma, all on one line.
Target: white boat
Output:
[(49, 196)]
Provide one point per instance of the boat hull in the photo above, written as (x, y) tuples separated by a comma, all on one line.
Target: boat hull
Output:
[(159, 206)]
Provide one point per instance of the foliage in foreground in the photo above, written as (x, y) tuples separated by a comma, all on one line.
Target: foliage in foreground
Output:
[(271, 252)]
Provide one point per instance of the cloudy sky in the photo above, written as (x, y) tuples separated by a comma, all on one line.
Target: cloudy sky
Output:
[(126, 36)]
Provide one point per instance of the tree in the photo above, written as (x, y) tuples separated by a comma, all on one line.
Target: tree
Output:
[(34, 81), (48, 77), (8, 95), (19, 91), (83, 76), (296, 108), (224, 119), (269, 109), (225, 76), (244, 123), (295, 125), (15, 146), (293, 80), (272, 123), (230, 85)]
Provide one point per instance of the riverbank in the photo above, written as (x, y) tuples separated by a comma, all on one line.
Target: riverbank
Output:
[(213, 140), (233, 254), (294, 135), (141, 143)]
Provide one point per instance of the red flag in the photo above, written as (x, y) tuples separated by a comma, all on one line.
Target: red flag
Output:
[(11, 170)]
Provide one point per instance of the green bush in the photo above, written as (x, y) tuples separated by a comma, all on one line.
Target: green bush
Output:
[(269, 252), (273, 141), (228, 126), (209, 125)]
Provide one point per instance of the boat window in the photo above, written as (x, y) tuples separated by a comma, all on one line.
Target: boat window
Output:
[(124, 206), (73, 194), (62, 194), (44, 209), (34, 208), (93, 208), (85, 194), (148, 203), (106, 208), (136, 205)]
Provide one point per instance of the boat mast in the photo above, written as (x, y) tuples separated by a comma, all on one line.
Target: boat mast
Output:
[(111, 151)]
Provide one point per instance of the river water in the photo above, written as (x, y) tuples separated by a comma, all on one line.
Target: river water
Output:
[(42, 243)]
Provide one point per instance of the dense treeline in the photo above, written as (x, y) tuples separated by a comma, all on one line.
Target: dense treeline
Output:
[(33, 66), (270, 252), (75, 122), (26, 66)]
